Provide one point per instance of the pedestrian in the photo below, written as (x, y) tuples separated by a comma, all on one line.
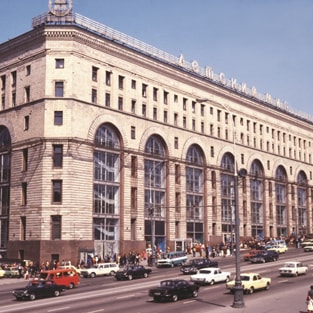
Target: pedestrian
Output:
[(309, 300)]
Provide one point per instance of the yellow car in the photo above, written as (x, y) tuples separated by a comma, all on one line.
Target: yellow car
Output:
[(2, 273), (279, 249), (250, 282)]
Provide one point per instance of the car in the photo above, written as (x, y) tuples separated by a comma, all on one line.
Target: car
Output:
[(293, 269), (100, 269), (277, 248), (2, 273), (306, 242), (174, 289), (250, 282), (265, 256), (250, 254), (132, 271), (11, 272), (78, 270), (193, 265), (308, 247), (38, 289), (210, 276)]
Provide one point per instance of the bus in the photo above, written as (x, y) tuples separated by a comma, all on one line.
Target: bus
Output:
[(172, 259)]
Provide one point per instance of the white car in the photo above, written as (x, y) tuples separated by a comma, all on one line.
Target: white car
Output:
[(100, 269), (293, 269), (210, 275)]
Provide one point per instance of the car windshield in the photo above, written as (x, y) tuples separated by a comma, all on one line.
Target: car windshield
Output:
[(166, 283), (289, 265), (204, 272), (245, 277)]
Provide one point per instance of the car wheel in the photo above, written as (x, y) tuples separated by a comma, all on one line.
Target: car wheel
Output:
[(32, 297), (274, 259), (93, 275), (296, 274), (172, 264), (195, 294), (212, 282), (263, 260), (71, 286), (267, 286), (174, 298), (227, 279), (145, 275), (56, 293), (251, 290), (112, 273), (130, 277)]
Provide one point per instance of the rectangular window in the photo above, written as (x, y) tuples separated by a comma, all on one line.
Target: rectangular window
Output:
[(133, 84), (27, 94), (144, 110), (184, 122), (120, 82), (25, 160), (26, 122), (120, 103), (3, 82), (57, 155), (133, 106), (94, 74), (133, 132), (193, 107), (58, 117), (56, 191), (28, 70), (108, 78), (202, 109), (23, 228), (193, 125), (107, 100), (165, 97), (175, 119), (155, 94), (165, 116), (144, 90), (176, 142), (14, 98), (155, 114), (184, 104), (59, 63), (94, 95), (202, 127), (13, 79), (24, 193), (134, 165), (3, 102), (59, 89), (56, 227)]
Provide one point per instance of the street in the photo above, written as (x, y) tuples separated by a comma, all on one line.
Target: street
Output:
[(105, 294)]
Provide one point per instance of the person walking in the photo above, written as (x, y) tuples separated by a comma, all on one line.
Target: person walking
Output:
[(309, 300)]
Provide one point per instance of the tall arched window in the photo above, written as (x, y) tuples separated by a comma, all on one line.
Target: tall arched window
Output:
[(228, 197), (281, 201), (301, 210), (5, 171), (256, 191), (195, 193), (106, 209), (155, 193)]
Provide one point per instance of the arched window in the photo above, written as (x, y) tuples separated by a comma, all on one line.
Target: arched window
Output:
[(281, 201), (301, 209), (195, 193), (256, 191), (5, 172), (155, 193), (106, 209)]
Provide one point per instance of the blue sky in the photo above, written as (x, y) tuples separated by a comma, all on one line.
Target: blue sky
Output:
[(267, 44)]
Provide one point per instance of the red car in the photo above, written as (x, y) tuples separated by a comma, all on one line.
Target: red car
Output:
[(250, 254)]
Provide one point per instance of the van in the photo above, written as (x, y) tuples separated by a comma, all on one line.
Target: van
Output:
[(172, 259), (62, 276)]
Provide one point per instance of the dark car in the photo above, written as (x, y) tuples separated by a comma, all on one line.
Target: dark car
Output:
[(38, 289), (265, 256), (132, 271), (174, 289), (193, 265)]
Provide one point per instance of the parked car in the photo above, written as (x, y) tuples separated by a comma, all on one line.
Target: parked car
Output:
[(132, 271), (2, 273), (265, 256), (100, 269), (293, 269), (11, 272), (308, 247), (174, 289), (193, 265), (210, 275), (250, 282), (278, 248), (38, 289), (306, 242), (250, 254)]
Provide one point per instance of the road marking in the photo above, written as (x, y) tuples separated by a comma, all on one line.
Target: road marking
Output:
[(59, 309), (128, 296)]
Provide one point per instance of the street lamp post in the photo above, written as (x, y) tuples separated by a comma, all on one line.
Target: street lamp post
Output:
[(238, 301)]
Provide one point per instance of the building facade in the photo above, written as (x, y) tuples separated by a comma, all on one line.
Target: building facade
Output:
[(110, 145)]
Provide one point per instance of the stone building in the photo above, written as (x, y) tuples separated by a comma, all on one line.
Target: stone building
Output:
[(110, 145)]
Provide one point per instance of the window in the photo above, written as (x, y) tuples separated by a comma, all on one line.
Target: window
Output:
[(202, 109), (155, 94), (144, 110), (108, 78), (56, 227), (28, 70), (165, 97), (3, 82), (23, 227), (57, 155), (165, 116), (58, 117), (26, 122), (193, 125), (27, 94), (155, 114), (120, 103), (57, 191), (133, 84), (184, 104), (14, 98), (176, 142), (13, 78), (24, 193), (107, 100), (59, 89), (94, 96), (2, 102), (144, 90), (94, 75), (25, 160), (133, 106), (59, 63), (193, 107), (184, 122), (120, 82), (134, 165), (133, 132), (175, 119)]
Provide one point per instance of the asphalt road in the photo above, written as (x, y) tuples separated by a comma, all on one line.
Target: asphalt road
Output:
[(105, 294)]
